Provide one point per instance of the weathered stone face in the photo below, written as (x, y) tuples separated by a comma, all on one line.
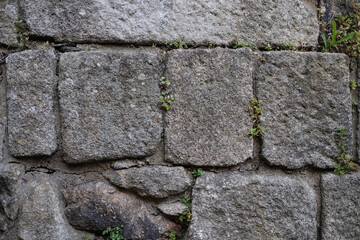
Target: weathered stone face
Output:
[(208, 122), (42, 217), (199, 22), (8, 16), (95, 206), (31, 85), (306, 97), (152, 181), (243, 206), (172, 208), (340, 206), (109, 104)]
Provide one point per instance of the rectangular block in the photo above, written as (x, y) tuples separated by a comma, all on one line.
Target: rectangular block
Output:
[(109, 104), (306, 98), (208, 124), (232, 206), (340, 206), (158, 21), (31, 81), (8, 16)]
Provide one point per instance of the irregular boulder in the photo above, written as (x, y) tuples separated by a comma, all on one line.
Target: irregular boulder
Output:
[(31, 79), (242, 206), (340, 206), (109, 104), (152, 181), (95, 206), (306, 98), (208, 124), (172, 208), (157, 21)]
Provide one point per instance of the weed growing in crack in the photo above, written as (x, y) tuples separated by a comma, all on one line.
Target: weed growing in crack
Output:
[(113, 233), (353, 84), (345, 162), (186, 216), (255, 112), (242, 44), (177, 43), (165, 98), (197, 172), (22, 33), (172, 235)]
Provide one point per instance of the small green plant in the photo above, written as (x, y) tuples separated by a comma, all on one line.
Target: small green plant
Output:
[(255, 112), (197, 172), (285, 45), (345, 162), (87, 49), (186, 216), (353, 84), (242, 44), (354, 102), (22, 33), (88, 237), (113, 233), (177, 43), (268, 47), (165, 98), (337, 38), (172, 235), (45, 46)]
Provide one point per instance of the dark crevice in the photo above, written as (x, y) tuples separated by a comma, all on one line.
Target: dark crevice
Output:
[(40, 169), (355, 111)]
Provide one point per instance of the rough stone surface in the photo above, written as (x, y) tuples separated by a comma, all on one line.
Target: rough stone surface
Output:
[(2, 138), (109, 104), (31, 88), (172, 208), (42, 215), (340, 206), (234, 206), (208, 123), (8, 16), (124, 164), (306, 97), (158, 21), (152, 181), (95, 206)]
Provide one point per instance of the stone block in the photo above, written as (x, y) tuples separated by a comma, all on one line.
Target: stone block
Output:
[(340, 206), (109, 104), (8, 16), (158, 21), (152, 181), (232, 206), (306, 97), (208, 124), (31, 79)]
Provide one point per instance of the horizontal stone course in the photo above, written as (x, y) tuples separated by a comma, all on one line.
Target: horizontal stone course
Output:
[(208, 124), (109, 104), (236, 205), (306, 98), (157, 21), (31, 82)]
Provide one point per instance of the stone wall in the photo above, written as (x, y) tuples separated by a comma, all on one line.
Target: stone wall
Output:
[(86, 145)]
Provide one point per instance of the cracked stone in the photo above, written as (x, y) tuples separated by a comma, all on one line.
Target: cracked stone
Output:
[(109, 104), (152, 181), (306, 97), (234, 205), (208, 124), (158, 21), (31, 88)]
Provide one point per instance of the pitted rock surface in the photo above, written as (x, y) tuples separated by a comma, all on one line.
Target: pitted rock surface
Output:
[(208, 124), (306, 98), (152, 181), (8, 16), (95, 206), (31, 82), (157, 21), (340, 206), (109, 104), (244, 206)]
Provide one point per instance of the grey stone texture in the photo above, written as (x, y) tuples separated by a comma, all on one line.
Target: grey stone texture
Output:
[(8, 16), (124, 164), (306, 97), (95, 206), (42, 216), (340, 206), (152, 181), (159, 21), (31, 82), (172, 208), (208, 123), (109, 104), (242, 206)]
